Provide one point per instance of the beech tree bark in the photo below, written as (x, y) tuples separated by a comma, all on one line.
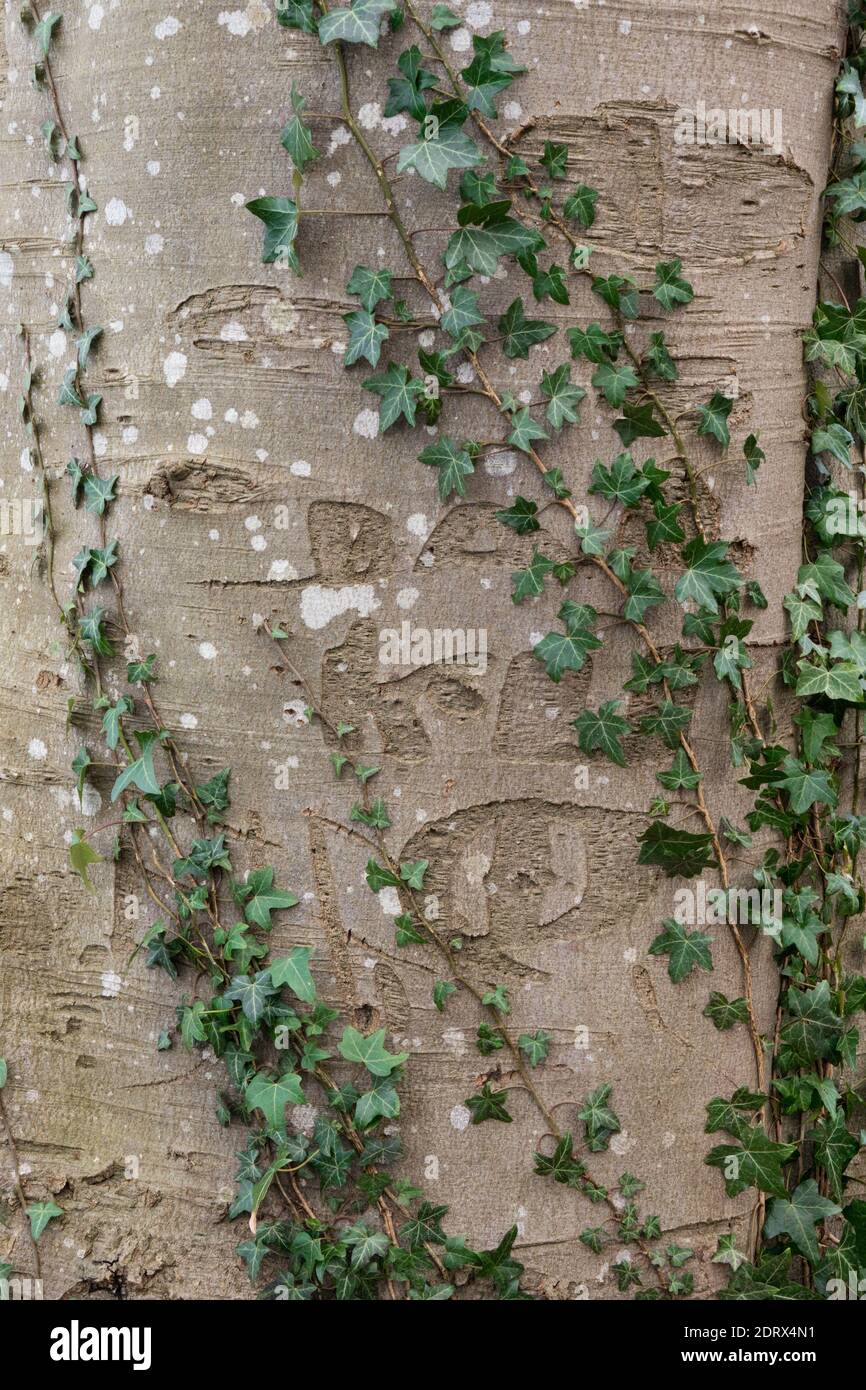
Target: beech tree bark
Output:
[(254, 485)]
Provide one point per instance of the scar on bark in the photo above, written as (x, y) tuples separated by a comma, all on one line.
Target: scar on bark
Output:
[(336, 936)]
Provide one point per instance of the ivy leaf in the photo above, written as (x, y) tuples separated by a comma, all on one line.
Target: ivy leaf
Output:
[(670, 288), (728, 1254), (604, 731), (713, 418), (562, 1165), (444, 18), (520, 516), (297, 138), (614, 381), (296, 14), (366, 337), (637, 422), (644, 592), (685, 950), (489, 73), (442, 990), (563, 398), (565, 651), (85, 343), (594, 344), (813, 1030), (252, 992), (796, 1216), (41, 1213), (529, 583), (666, 720), (600, 1120), (681, 775), (754, 456), (756, 1161), (43, 34), (525, 430), (98, 492), (140, 772), (81, 856), (141, 672), (272, 1096), (480, 247), (658, 360), (294, 970), (488, 1105), (371, 286), (622, 482), (406, 93), (463, 311), (726, 1012), (399, 394), (520, 333), (280, 218), (620, 292), (453, 463), (447, 147), (535, 1046), (359, 23), (370, 1051), (261, 898), (580, 205), (679, 852), (665, 526), (708, 574), (806, 786), (835, 1147)]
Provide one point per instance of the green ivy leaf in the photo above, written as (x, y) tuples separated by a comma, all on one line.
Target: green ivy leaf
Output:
[(280, 218), (670, 288), (726, 1012), (260, 898), (713, 418), (796, 1217), (370, 1051), (358, 23), (708, 574), (366, 337), (399, 394), (297, 138), (371, 286), (563, 398), (685, 950), (756, 1160), (447, 147), (272, 1096), (519, 333), (601, 1121), (525, 430), (681, 853), (520, 516), (488, 1105), (580, 205), (294, 970), (41, 1213), (453, 463), (535, 1046), (604, 730)]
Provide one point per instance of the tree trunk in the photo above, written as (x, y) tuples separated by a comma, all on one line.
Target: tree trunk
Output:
[(253, 485)]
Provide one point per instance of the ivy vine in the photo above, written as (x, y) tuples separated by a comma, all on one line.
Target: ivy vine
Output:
[(360, 1232)]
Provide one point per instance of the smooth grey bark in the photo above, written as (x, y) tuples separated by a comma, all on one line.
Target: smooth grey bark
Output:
[(253, 484)]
